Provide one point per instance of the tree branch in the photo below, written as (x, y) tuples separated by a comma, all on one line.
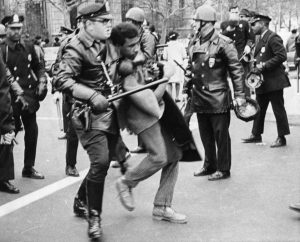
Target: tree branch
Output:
[(54, 4)]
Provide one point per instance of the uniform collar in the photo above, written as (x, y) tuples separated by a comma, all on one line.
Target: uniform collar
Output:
[(86, 39), (214, 38), (12, 44)]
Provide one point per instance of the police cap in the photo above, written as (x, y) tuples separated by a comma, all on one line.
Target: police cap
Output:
[(65, 30), (259, 17), (13, 21), (245, 12), (95, 10)]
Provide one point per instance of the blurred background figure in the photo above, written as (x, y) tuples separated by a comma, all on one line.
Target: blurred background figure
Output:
[(56, 42), (290, 44), (2, 33), (175, 53)]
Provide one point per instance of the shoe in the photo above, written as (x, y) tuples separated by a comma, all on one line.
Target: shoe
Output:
[(218, 175), (63, 136), (71, 171), (138, 150), (32, 173), (80, 208), (253, 139), (168, 214), (6, 186), (203, 172), (125, 195), (295, 207), (279, 142), (94, 229)]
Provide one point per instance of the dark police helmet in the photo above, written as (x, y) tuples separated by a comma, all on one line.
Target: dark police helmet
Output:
[(247, 111)]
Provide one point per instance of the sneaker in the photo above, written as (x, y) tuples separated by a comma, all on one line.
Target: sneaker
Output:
[(168, 214), (80, 208), (125, 195)]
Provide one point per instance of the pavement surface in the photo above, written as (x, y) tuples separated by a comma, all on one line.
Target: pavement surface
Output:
[(250, 206)]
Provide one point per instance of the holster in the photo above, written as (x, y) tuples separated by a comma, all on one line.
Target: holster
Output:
[(81, 115)]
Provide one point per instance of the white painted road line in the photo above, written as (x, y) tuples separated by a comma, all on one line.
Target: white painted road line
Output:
[(39, 194)]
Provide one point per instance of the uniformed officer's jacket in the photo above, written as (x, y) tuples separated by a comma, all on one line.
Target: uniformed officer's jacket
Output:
[(24, 65), (241, 36), (210, 62), (148, 44), (270, 52), (82, 62), (6, 113)]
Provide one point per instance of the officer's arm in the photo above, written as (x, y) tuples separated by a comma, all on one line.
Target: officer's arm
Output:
[(70, 67), (235, 69), (148, 45), (14, 85), (38, 67), (250, 36), (277, 47), (6, 117)]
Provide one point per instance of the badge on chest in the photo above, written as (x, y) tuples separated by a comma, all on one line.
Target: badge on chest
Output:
[(211, 62)]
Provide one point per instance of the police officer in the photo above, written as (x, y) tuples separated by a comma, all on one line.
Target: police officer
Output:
[(67, 102), (269, 54), (6, 134), (212, 55), (81, 74), (136, 16), (238, 29), (23, 63)]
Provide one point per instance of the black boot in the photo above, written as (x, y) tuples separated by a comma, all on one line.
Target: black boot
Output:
[(94, 201), (80, 208)]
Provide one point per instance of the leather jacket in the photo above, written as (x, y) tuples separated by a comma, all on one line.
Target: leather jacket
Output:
[(210, 63), (82, 62)]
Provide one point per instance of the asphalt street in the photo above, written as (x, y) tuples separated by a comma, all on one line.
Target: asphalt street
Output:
[(250, 206)]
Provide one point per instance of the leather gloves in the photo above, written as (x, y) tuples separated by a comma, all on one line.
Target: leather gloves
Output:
[(98, 102)]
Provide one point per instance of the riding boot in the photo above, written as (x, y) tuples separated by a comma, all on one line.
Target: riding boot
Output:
[(94, 201)]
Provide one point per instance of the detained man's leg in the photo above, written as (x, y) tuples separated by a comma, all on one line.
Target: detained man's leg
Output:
[(164, 196), (154, 161)]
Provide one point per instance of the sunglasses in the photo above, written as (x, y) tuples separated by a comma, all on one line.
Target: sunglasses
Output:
[(104, 21)]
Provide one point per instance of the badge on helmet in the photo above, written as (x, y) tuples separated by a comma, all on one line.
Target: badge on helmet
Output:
[(248, 111)]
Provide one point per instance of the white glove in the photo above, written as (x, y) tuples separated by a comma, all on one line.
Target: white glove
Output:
[(247, 49), (7, 138), (240, 101), (56, 97)]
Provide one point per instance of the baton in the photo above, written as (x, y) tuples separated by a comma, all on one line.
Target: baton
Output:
[(149, 85), (60, 123), (161, 46), (180, 66)]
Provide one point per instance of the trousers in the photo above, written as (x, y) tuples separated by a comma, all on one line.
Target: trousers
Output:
[(162, 153), (277, 102), (214, 133)]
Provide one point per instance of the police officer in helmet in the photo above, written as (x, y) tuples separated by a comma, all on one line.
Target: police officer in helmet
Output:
[(212, 56)]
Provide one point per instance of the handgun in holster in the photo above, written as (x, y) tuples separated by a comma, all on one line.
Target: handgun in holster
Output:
[(82, 112)]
